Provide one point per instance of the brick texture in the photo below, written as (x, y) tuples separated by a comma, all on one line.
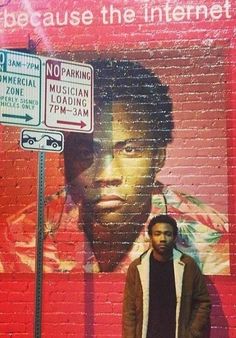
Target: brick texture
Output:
[(196, 59)]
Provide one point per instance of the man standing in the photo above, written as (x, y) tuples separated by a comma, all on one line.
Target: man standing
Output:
[(165, 293)]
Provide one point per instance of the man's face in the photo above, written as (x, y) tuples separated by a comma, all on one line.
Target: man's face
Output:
[(162, 239), (112, 171)]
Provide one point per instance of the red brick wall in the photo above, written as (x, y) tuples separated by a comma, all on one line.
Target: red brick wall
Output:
[(196, 58)]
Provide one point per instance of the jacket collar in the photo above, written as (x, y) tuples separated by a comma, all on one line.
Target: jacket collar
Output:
[(176, 256)]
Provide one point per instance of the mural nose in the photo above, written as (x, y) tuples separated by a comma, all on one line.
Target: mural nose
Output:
[(109, 172)]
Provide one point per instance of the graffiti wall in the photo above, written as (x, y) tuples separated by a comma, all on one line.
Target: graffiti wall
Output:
[(163, 141)]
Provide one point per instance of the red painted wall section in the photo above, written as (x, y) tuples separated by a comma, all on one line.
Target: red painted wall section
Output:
[(190, 46)]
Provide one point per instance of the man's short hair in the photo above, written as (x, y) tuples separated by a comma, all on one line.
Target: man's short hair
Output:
[(127, 81), (163, 219)]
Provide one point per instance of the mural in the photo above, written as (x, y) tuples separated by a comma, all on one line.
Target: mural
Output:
[(113, 186)]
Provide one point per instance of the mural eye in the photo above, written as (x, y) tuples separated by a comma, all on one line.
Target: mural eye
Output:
[(129, 149), (132, 149)]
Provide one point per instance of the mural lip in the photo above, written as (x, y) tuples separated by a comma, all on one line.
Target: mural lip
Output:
[(109, 202)]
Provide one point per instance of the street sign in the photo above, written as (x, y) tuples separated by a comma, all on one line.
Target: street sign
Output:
[(20, 89), (43, 92), (42, 140), (68, 96)]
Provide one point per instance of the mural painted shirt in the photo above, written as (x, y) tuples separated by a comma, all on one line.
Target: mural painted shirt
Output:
[(203, 234)]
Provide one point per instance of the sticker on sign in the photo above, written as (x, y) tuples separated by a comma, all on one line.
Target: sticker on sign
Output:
[(68, 96), (42, 140)]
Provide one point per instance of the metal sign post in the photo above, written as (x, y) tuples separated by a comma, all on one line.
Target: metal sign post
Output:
[(39, 247)]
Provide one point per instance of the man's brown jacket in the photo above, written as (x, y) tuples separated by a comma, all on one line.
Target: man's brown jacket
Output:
[(193, 302)]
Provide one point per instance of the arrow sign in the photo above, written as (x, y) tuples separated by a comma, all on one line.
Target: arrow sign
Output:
[(26, 117), (81, 124), (68, 96)]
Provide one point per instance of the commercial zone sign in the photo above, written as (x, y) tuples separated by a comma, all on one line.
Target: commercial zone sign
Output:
[(20, 89), (45, 92)]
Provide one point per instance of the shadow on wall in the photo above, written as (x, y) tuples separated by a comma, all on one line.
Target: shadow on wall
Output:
[(219, 323)]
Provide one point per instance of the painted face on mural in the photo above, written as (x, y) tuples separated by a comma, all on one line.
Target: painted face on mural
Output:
[(111, 172)]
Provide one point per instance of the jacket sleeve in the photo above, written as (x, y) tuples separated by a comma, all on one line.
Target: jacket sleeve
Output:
[(129, 308), (201, 306)]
